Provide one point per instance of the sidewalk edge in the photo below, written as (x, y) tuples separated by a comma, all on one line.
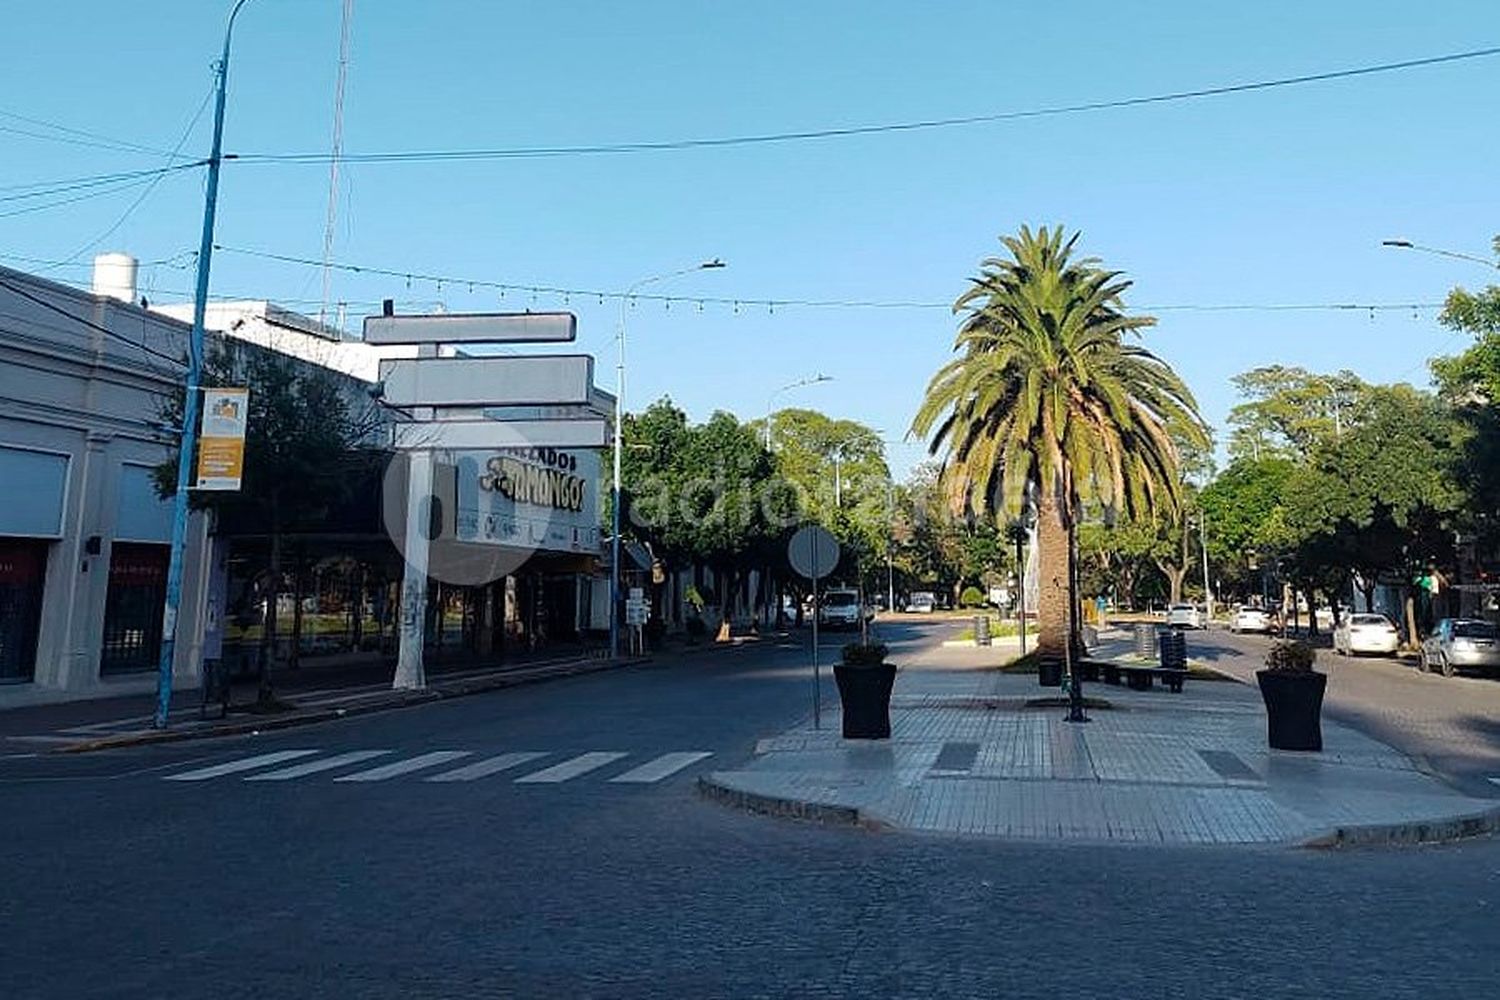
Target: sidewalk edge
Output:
[(1412, 832), (397, 700), (715, 787)]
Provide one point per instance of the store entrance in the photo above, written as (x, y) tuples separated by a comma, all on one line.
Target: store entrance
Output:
[(23, 570)]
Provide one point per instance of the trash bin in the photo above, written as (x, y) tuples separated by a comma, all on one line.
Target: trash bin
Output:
[(1173, 650), (1145, 640), (982, 630)]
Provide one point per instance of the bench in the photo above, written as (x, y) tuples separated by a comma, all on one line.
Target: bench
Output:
[(1138, 676)]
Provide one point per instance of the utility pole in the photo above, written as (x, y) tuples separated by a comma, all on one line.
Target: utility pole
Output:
[(1208, 594), (189, 441)]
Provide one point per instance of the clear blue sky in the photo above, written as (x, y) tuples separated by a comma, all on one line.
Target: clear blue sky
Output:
[(1273, 197)]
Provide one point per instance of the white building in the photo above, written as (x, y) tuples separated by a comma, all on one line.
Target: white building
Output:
[(83, 535), (271, 326)]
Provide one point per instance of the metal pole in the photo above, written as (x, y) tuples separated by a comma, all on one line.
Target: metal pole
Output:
[(189, 441), (614, 514), (1021, 592), (1208, 594), (817, 682)]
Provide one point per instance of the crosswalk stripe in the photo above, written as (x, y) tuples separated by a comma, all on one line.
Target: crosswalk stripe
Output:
[(664, 766), (316, 766), (491, 765), (243, 764), (582, 764), (407, 766)]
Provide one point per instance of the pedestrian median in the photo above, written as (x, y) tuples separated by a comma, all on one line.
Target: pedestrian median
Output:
[(982, 753)]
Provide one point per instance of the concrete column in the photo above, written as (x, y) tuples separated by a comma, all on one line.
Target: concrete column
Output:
[(412, 620)]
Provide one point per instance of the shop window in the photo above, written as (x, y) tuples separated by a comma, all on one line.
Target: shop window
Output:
[(23, 570), (133, 609)]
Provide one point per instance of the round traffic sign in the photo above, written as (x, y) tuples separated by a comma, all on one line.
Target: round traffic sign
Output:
[(813, 552)]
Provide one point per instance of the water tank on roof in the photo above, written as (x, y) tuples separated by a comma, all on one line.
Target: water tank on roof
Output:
[(114, 276)]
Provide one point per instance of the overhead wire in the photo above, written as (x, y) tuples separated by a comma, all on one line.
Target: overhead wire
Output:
[(79, 136), (842, 132), (774, 303), (150, 187)]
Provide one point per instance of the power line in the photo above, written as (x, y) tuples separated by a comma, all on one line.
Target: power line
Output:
[(670, 145), (150, 187), (96, 139), (779, 303), (46, 189)]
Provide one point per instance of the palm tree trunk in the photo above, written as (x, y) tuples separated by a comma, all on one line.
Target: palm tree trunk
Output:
[(1052, 577)]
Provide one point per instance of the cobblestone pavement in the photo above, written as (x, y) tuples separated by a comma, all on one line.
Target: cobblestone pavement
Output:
[(1450, 724), (117, 884)]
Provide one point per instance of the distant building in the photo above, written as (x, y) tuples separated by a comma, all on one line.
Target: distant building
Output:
[(269, 325)]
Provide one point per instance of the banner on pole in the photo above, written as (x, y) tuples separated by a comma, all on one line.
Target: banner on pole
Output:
[(221, 439)]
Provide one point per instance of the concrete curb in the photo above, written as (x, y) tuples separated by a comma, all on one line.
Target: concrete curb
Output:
[(1432, 831), (397, 699), (713, 787)]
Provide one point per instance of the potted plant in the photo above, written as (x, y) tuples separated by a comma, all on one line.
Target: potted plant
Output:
[(865, 680), (1293, 693)]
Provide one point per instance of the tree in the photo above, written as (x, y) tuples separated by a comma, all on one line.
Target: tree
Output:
[(1470, 383), (1289, 411), (307, 443), (1047, 399), (703, 494)]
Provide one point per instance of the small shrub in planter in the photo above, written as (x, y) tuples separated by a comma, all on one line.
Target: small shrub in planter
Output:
[(1293, 693), (972, 597), (865, 681)]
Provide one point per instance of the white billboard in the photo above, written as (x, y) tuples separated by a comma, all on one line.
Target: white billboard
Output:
[(535, 498), (523, 380), (473, 328)]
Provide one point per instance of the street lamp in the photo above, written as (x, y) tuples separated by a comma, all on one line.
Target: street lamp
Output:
[(614, 562), (1456, 255), (771, 400), (192, 384)]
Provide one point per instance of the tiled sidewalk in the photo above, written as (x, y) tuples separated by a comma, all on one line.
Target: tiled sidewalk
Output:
[(968, 756)]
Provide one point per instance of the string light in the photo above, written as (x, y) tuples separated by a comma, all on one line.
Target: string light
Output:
[(772, 304)]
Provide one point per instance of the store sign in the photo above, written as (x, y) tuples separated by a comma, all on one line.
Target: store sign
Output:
[(221, 438), (538, 498)]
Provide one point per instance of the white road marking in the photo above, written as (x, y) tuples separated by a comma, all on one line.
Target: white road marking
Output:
[(491, 765), (1495, 780), (243, 764), (582, 764), (664, 766), (407, 766), (316, 766)]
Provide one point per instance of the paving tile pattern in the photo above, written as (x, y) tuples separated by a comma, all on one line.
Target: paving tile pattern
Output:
[(1137, 772)]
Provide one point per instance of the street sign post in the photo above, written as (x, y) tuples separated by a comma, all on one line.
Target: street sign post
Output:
[(525, 380), (473, 328), (814, 553)]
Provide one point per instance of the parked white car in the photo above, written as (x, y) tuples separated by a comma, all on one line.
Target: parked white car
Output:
[(922, 602), (1365, 633), (1184, 616), (842, 609), (1252, 620)]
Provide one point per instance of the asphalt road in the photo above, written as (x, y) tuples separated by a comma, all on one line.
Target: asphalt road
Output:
[(116, 882)]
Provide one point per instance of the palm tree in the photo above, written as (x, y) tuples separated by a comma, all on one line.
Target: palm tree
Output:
[(1047, 400)]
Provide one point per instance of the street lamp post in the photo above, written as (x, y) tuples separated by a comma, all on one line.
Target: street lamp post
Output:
[(771, 400), (1454, 254), (193, 378), (614, 561)]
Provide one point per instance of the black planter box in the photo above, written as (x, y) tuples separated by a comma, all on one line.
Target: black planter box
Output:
[(1294, 707), (1049, 673), (865, 693)]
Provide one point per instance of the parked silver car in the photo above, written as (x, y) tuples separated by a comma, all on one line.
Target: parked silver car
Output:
[(1461, 644)]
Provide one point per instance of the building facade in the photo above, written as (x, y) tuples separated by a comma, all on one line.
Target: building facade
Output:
[(83, 535)]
